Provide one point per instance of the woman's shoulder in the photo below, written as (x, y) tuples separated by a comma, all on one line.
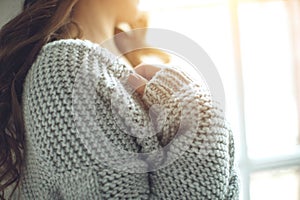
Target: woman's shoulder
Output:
[(62, 62), (65, 61), (77, 44), (76, 50)]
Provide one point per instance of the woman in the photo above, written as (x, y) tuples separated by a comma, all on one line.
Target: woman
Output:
[(49, 143)]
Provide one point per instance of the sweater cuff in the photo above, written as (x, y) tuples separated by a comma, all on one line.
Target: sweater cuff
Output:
[(164, 84)]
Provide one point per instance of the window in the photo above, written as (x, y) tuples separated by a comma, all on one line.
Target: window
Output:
[(255, 45)]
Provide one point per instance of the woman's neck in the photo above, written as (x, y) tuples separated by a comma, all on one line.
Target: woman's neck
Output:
[(96, 25)]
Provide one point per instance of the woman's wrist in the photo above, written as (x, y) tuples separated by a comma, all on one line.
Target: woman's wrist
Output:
[(164, 84)]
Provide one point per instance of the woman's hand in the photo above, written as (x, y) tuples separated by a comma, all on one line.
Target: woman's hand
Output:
[(147, 71), (144, 73)]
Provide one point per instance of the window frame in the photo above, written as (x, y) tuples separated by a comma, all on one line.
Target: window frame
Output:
[(247, 164)]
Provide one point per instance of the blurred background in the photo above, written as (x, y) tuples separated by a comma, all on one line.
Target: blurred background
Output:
[(255, 45)]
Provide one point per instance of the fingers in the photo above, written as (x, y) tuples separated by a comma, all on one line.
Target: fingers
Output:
[(137, 83), (144, 73), (148, 71)]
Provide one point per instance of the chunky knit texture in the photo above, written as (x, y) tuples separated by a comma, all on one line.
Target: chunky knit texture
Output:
[(77, 131)]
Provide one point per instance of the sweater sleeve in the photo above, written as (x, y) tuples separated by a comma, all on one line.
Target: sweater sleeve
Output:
[(73, 140), (199, 146)]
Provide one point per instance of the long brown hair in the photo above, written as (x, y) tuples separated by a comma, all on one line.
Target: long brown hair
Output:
[(21, 39)]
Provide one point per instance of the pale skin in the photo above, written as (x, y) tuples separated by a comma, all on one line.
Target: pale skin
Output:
[(98, 19)]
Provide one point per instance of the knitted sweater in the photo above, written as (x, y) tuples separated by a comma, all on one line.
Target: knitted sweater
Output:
[(89, 137)]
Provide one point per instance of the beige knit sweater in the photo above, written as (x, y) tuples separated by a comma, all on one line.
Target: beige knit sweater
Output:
[(88, 136)]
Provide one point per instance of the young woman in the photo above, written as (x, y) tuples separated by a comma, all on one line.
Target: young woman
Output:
[(49, 140)]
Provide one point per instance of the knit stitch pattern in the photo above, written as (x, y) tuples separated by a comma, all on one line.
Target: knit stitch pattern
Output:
[(82, 127)]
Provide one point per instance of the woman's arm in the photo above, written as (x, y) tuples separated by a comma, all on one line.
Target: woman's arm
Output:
[(192, 130), (74, 142)]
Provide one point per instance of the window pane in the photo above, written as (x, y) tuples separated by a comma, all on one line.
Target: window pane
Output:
[(275, 185), (270, 99)]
